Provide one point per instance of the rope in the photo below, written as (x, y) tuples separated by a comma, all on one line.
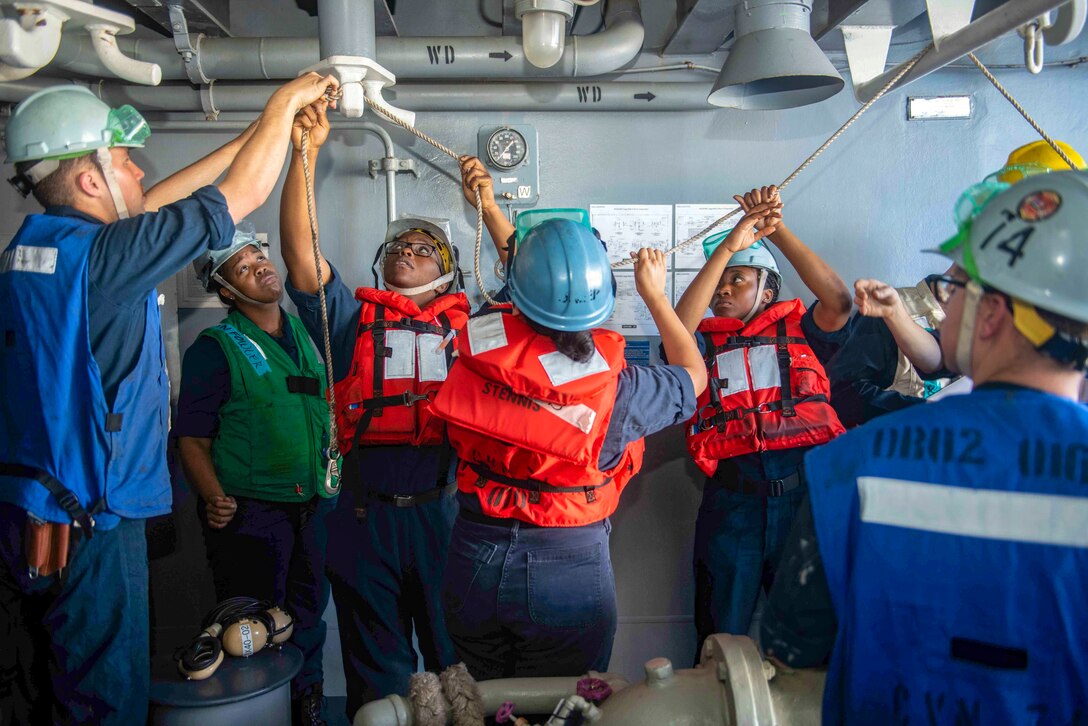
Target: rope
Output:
[(1027, 117), (334, 445), (804, 165), (456, 157)]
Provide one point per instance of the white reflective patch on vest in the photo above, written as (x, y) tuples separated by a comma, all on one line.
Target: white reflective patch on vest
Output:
[(561, 369), (763, 362), (486, 333), (987, 513), (25, 258), (731, 371), (432, 361), (259, 348), (402, 348), (580, 416)]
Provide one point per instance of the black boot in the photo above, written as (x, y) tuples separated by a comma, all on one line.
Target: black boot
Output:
[(307, 708)]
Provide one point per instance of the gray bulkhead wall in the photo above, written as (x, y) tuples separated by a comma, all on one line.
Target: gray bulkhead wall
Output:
[(880, 195)]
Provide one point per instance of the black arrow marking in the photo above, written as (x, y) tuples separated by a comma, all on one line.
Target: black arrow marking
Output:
[(505, 55), (645, 96)]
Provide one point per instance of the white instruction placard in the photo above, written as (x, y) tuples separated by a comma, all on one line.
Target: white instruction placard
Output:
[(692, 219), (681, 280), (631, 316), (627, 228)]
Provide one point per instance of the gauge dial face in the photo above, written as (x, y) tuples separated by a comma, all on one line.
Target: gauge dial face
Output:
[(506, 148)]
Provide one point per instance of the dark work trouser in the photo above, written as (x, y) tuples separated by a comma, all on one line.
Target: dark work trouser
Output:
[(738, 542), (386, 571), (276, 551), (527, 601), (77, 653)]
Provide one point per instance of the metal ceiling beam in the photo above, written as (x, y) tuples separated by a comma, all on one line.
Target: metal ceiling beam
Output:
[(701, 26), (210, 17), (1003, 19), (829, 15)]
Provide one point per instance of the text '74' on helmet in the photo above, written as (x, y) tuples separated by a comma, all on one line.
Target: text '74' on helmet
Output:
[(1029, 241)]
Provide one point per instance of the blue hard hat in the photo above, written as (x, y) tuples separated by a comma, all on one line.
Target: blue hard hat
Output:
[(559, 277)]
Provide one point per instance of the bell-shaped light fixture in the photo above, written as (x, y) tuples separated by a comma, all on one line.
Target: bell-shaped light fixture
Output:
[(774, 62), (543, 29)]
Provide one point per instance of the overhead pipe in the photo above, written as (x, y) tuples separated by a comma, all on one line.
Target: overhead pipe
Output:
[(999, 21), (348, 27), (104, 43), (526, 96), (251, 59)]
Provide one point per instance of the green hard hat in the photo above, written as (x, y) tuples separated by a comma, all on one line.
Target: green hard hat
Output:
[(66, 121)]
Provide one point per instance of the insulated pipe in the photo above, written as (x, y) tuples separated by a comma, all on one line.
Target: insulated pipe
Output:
[(248, 59), (104, 42), (28, 43), (337, 124), (346, 27), (537, 96), (1002, 19)]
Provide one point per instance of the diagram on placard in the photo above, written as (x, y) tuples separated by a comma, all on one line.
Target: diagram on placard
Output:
[(693, 218), (631, 317), (627, 228), (681, 280)]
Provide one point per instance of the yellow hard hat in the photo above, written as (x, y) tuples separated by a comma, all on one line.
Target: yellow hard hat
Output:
[(1038, 154)]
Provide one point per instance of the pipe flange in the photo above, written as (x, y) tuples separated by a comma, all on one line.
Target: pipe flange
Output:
[(565, 7)]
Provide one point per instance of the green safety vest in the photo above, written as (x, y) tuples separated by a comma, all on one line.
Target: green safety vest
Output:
[(275, 424)]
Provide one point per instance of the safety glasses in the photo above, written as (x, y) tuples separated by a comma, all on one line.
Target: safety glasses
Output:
[(419, 249), (127, 127), (943, 287)]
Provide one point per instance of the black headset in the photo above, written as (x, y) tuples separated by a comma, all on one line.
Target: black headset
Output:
[(238, 626)]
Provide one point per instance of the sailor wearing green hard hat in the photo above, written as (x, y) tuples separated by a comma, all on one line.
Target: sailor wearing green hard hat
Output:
[(81, 321), (765, 406), (946, 542)]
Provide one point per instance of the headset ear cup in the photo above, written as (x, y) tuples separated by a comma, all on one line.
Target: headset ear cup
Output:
[(245, 636), (282, 624), (201, 658)]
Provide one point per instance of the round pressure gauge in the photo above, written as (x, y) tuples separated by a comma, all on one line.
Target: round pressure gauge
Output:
[(506, 148)]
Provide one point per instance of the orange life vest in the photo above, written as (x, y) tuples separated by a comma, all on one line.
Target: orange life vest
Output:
[(402, 356), (766, 391), (528, 424)]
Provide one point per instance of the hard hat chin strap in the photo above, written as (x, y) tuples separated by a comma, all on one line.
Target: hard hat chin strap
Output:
[(965, 343), (433, 285), (759, 294), (219, 278), (105, 163)]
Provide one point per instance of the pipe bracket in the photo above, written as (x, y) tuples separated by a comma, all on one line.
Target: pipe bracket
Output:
[(207, 102), (388, 163), (183, 42)]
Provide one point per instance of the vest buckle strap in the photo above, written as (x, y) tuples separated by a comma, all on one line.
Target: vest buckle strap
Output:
[(763, 487), (533, 486), (403, 501), (304, 384)]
